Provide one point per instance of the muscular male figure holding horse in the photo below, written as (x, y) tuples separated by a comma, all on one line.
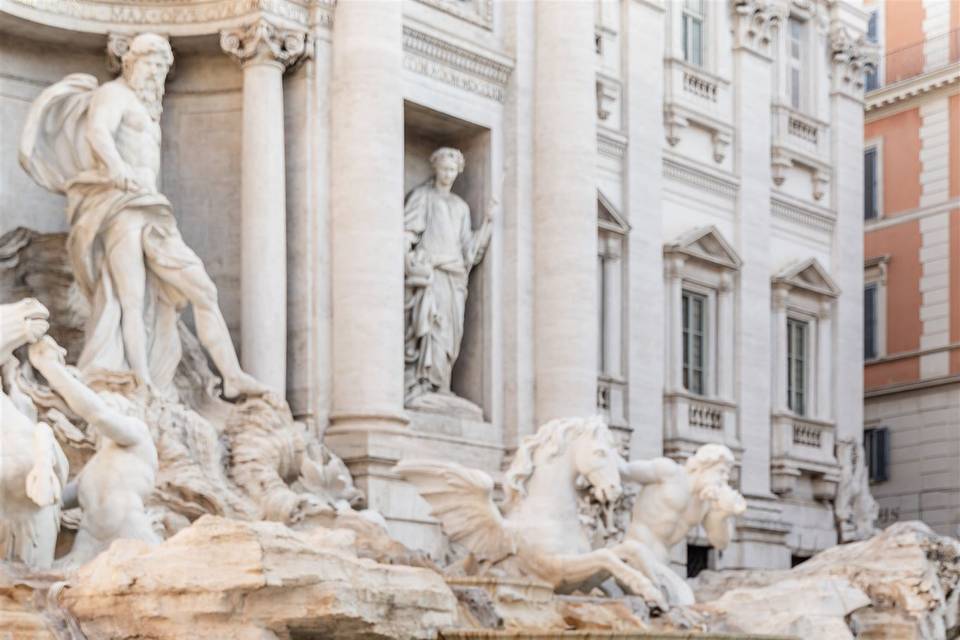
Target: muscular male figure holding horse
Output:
[(673, 500)]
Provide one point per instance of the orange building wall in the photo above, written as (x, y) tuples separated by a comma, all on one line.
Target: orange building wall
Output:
[(902, 243), (901, 159), (954, 114), (955, 277), (903, 28)]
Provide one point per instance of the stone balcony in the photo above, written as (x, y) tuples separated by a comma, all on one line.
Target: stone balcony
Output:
[(691, 421), (800, 140), (803, 446), (695, 98)]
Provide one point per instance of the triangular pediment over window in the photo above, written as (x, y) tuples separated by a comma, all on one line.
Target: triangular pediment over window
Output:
[(707, 244), (608, 217), (809, 275)]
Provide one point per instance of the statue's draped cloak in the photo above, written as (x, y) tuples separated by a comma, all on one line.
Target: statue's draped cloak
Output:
[(437, 226), (55, 152)]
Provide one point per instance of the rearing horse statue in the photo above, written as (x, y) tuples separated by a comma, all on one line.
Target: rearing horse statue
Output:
[(537, 533)]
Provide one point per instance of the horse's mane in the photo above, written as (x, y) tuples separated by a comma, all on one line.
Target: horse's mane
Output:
[(553, 437)]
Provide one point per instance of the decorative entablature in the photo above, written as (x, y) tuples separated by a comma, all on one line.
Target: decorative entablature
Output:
[(171, 17), (754, 22), (434, 57), (852, 57)]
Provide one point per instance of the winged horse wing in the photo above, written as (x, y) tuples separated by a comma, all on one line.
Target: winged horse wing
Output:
[(462, 499)]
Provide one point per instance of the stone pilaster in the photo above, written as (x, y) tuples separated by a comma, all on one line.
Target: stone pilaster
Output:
[(754, 22), (565, 212), (264, 50), (851, 56)]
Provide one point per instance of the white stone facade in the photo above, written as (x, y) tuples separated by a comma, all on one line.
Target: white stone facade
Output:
[(584, 121)]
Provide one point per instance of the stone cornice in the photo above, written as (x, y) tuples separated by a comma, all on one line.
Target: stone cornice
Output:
[(685, 173), (911, 87), (808, 216), (753, 23), (262, 41), (611, 144), (852, 56), (436, 58), (170, 17)]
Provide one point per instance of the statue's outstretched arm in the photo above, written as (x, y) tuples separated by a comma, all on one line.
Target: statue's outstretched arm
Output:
[(47, 357), (649, 471)]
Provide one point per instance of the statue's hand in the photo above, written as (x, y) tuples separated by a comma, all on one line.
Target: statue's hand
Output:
[(45, 352), (126, 179)]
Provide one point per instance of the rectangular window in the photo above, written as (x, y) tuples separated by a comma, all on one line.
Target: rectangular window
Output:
[(694, 341), (693, 31), (797, 32), (871, 210), (797, 338), (870, 322), (698, 559), (876, 447)]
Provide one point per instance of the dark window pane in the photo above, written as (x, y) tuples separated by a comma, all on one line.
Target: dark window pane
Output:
[(870, 322), (698, 559), (870, 184)]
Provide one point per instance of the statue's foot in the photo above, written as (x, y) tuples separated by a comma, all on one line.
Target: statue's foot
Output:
[(243, 384)]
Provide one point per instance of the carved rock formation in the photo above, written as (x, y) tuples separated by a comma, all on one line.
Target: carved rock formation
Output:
[(258, 580), (903, 583)]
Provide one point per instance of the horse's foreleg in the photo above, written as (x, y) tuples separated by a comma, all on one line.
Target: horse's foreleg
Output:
[(640, 557), (579, 568)]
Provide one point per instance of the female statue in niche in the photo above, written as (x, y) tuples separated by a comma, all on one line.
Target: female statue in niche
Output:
[(441, 249)]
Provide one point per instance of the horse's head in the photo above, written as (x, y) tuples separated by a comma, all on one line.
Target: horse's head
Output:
[(597, 460)]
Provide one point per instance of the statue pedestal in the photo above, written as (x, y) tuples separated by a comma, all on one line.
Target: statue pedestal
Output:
[(371, 454)]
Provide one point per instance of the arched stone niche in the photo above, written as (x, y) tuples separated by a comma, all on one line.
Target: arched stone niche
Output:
[(424, 131)]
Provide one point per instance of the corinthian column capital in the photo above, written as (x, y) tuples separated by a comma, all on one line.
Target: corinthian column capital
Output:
[(754, 21), (852, 56), (261, 41)]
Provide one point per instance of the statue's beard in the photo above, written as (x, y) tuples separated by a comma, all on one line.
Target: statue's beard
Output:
[(149, 90)]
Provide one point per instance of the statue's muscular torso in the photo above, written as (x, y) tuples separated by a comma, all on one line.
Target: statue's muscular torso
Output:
[(137, 135)]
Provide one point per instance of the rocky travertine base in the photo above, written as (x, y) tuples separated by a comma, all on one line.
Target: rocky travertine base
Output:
[(224, 578), (901, 584)]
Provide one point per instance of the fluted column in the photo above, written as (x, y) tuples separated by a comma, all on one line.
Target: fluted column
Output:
[(565, 212), (366, 201), (264, 51)]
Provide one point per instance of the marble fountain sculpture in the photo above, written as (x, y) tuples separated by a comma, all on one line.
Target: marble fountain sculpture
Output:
[(146, 494)]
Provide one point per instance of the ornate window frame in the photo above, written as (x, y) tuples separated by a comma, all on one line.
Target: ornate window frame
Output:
[(704, 262), (612, 230), (803, 444)]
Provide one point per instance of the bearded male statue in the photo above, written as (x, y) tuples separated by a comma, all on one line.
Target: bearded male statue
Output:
[(673, 500), (100, 146), (441, 249)]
